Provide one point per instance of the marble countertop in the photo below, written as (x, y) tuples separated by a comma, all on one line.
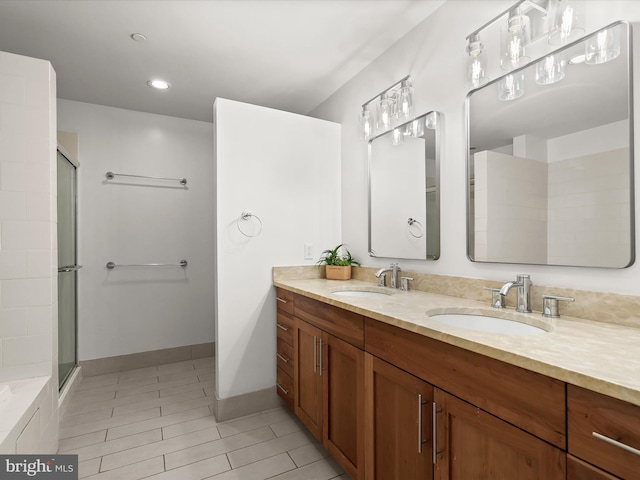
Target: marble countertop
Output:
[(598, 356)]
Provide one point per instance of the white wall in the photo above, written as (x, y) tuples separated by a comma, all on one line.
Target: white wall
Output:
[(284, 168), (28, 244), (434, 54), (124, 311)]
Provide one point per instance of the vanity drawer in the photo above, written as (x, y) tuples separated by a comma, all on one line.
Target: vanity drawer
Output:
[(593, 419), (345, 325), (284, 300), (529, 400), (579, 470), (284, 386), (284, 354), (284, 326)]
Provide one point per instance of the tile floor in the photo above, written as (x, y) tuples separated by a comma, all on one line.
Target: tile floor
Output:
[(156, 423)]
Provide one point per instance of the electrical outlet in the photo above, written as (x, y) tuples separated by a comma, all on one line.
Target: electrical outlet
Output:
[(308, 251)]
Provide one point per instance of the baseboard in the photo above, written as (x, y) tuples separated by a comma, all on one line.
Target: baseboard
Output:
[(253, 402), (121, 363)]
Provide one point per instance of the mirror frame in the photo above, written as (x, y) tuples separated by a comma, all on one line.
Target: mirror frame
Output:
[(628, 41), (437, 150)]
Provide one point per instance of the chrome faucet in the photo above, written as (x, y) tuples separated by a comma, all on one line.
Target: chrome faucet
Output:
[(523, 283), (380, 275)]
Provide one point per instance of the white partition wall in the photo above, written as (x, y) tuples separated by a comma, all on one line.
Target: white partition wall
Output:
[(285, 169)]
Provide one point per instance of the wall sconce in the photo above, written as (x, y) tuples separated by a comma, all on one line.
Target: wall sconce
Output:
[(566, 21), (514, 37), (392, 106), (476, 62), (603, 47)]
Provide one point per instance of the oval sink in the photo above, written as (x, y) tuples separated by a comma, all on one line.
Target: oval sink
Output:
[(481, 323), (360, 293)]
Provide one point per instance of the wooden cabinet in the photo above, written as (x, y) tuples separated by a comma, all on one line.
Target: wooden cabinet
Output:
[(579, 470), (285, 331), (329, 380), (604, 432), (398, 426), (307, 375), (473, 444)]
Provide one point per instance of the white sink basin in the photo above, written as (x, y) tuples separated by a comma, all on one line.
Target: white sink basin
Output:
[(481, 323), (360, 293)]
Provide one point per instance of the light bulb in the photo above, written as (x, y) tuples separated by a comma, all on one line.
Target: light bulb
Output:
[(603, 46)]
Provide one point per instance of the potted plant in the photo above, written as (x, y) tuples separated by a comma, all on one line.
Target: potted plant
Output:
[(338, 263)]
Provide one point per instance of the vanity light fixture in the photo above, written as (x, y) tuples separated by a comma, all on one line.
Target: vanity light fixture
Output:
[(393, 106), (511, 86), (397, 137), (603, 47), (476, 62), (159, 84), (566, 21), (514, 37)]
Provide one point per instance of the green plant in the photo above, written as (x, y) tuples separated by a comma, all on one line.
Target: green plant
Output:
[(335, 257)]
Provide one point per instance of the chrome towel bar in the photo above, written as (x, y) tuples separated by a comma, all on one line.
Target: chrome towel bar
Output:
[(183, 263), (111, 175)]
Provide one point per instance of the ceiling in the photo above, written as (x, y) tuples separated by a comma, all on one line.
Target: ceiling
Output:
[(285, 54)]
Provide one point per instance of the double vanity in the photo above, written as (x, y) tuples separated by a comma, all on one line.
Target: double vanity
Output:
[(410, 384)]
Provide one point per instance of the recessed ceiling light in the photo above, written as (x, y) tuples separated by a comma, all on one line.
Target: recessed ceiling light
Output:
[(159, 84), (138, 37), (577, 59)]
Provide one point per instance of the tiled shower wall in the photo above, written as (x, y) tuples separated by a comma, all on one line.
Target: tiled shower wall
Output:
[(28, 278)]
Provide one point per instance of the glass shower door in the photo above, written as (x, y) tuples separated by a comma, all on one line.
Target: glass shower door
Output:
[(67, 269)]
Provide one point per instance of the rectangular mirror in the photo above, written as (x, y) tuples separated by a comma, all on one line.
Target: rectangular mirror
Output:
[(404, 197), (550, 173)]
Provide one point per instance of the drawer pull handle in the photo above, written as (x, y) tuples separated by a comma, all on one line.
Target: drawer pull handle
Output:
[(281, 300), (284, 359), (284, 390), (282, 327), (420, 440), (616, 443)]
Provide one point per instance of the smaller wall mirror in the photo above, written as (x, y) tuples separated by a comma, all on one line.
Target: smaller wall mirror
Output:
[(404, 196), (550, 172)]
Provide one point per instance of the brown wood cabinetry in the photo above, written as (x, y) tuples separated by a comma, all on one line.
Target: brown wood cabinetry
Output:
[(285, 331), (329, 380), (579, 470), (398, 426), (604, 431), (473, 444)]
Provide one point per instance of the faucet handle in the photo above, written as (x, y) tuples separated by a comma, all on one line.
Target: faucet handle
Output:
[(550, 308), (404, 283), (497, 299), (382, 280)]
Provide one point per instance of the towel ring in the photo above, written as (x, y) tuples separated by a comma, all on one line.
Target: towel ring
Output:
[(247, 216), (410, 223)]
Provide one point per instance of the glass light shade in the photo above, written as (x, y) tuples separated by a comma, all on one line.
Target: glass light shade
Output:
[(603, 47), (384, 115), (511, 86), (431, 121), (404, 103), (476, 63), (418, 127), (550, 69), (566, 21), (397, 137), (515, 35), (366, 124)]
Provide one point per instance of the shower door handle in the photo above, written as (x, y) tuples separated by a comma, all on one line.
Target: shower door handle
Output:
[(69, 268)]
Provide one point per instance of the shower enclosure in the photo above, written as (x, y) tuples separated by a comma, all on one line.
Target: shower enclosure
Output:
[(67, 269)]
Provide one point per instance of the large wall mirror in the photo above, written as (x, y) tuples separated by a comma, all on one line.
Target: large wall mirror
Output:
[(550, 173), (404, 197)]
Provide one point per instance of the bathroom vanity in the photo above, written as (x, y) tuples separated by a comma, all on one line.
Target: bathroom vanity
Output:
[(393, 394)]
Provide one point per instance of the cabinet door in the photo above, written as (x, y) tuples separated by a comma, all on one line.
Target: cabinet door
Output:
[(342, 370), (307, 379), (398, 429), (473, 444)]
